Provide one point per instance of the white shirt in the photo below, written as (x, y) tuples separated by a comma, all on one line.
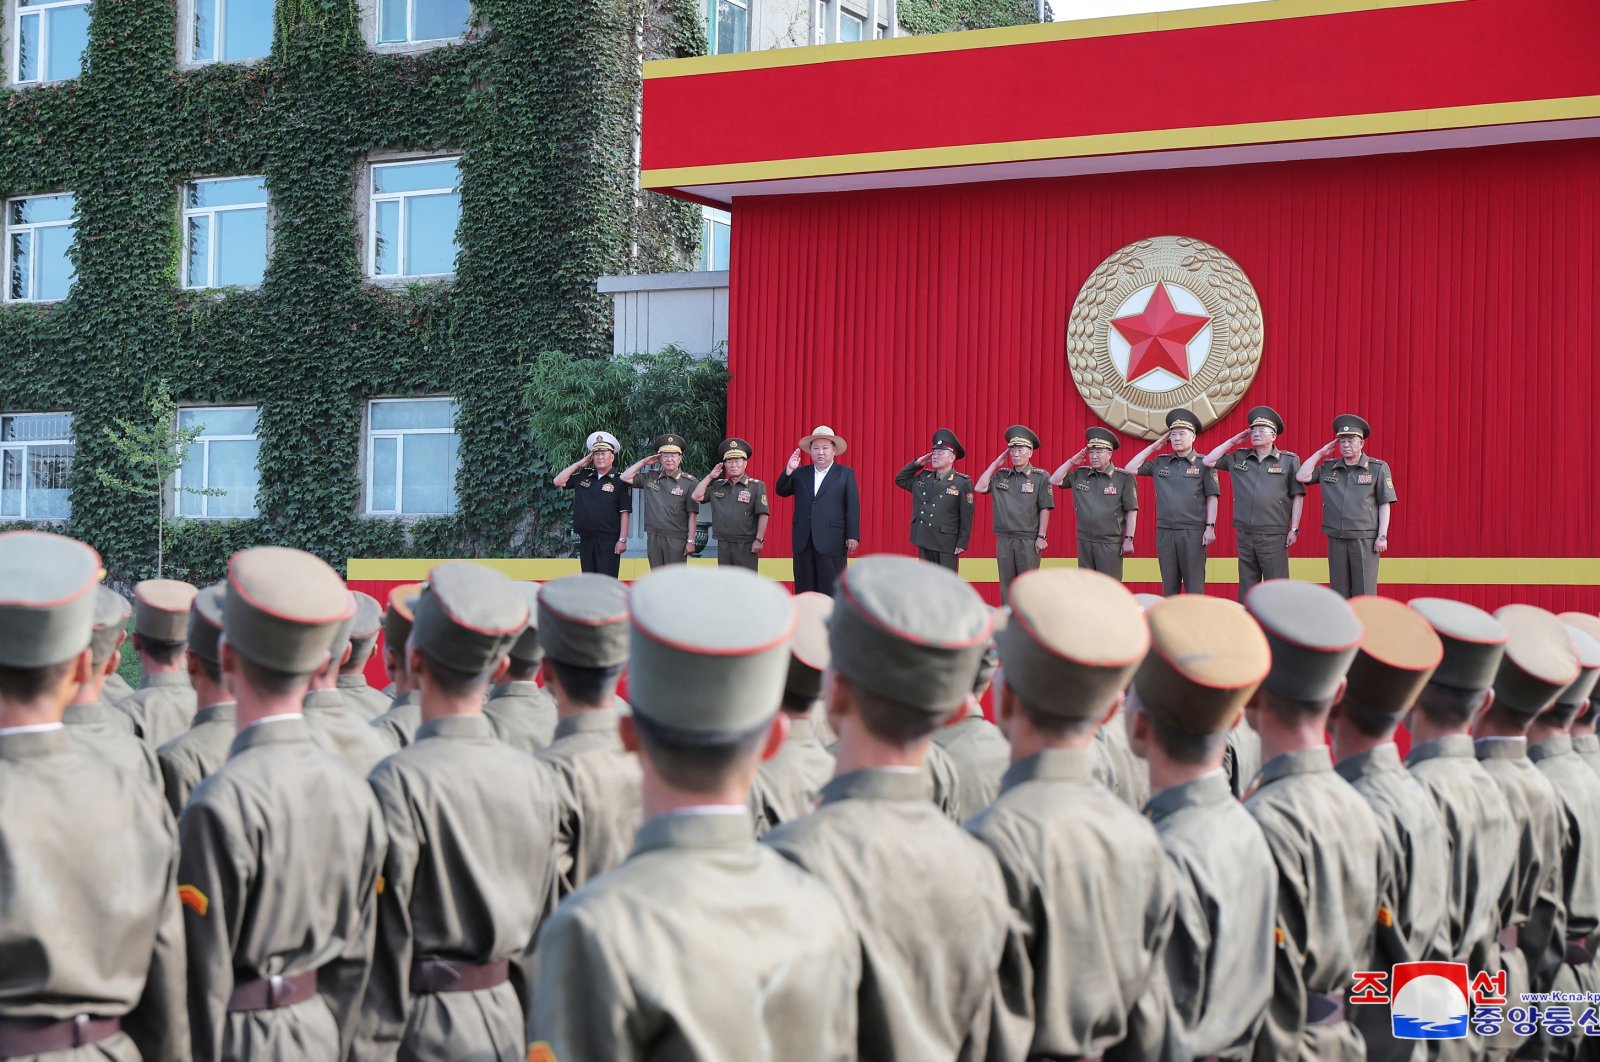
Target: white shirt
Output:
[(281, 717), (817, 476), (31, 728)]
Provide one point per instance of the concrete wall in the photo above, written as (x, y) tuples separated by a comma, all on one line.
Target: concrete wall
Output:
[(688, 310)]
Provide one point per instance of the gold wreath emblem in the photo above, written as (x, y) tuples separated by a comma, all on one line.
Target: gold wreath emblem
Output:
[(1236, 333)]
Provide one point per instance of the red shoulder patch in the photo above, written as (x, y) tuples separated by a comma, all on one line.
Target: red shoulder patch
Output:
[(193, 899)]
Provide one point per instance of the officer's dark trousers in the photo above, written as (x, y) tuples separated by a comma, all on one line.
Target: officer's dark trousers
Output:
[(737, 553), (1100, 556), (1182, 554), (1353, 566), (1262, 555), (596, 553), (933, 556), (816, 571), (1014, 554), (662, 548)]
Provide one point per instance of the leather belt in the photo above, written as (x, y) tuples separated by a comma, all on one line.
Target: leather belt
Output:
[(39, 1036), (270, 993), (436, 975), (1066, 1058), (1580, 951), (1323, 1010), (1509, 937)]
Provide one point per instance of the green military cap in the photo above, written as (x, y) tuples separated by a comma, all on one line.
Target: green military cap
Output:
[(1265, 417), (467, 616), (526, 649), (1474, 642), (709, 648), (1182, 418), (47, 599), (990, 662), (1148, 601), (808, 652), (1588, 650), (1102, 439), (1313, 635), (1539, 662), (1072, 641), (945, 439), (583, 620), (908, 631), (161, 609), (398, 617), (669, 444), (283, 608), (1350, 424), (205, 622), (1398, 653), (1021, 435), (111, 611), (734, 447), (1207, 656)]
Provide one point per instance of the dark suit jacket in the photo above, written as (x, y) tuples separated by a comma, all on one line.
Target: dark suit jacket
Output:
[(825, 521)]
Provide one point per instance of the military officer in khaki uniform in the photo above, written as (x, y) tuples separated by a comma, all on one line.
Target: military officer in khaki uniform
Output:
[(91, 722), (1207, 656), (163, 705), (90, 929), (1105, 500), (1357, 493), (978, 750), (352, 673), (1399, 651), (942, 501), (337, 727), (1085, 873), (787, 783), (190, 757), (1267, 497), (471, 867), (1186, 504), (281, 846), (399, 724), (1323, 837), (669, 505), (1023, 498), (519, 710), (906, 638), (583, 625), (638, 963), (739, 509), (1584, 741)]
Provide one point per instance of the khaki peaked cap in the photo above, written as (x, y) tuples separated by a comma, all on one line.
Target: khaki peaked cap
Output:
[(583, 620), (161, 609), (1398, 654), (1539, 662), (527, 648), (1474, 642), (467, 616), (808, 651), (1314, 635), (47, 598), (283, 608), (205, 622), (111, 612), (1072, 640), (1207, 657)]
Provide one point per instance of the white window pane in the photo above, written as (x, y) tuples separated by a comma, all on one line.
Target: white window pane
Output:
[(386, 261), (233, 469), (53, 267), (199, 248), (241, 246), (47, 482), (192, 476), (438, 19), (850, 27), (235, 420), (28, 52), (26, 427), (19, 285), (415, 176), (69, 36), (733, 27), (391, 21), (429, 485), (229, 191), (384, 451), (247, 30), (36, 209), (431, 233), (435, 413), (11, 483), (203, 48)]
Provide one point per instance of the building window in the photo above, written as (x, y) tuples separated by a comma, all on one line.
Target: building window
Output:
[(881, 32), (412, 226), (224, 232), (820, 14), (227, 31), (411, 456), (410, 21), (35, 457), (223, 457), (730, 26), (852, 28), (716, 238), (39, 232), (50, 38)]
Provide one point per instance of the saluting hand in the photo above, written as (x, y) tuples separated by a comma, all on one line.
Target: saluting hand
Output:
[(716, 473), (794, 461), (922, 462)]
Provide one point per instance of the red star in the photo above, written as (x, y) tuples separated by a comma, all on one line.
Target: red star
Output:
[(1159, 337)]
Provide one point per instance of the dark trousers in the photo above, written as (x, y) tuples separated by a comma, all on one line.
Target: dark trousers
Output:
[(1262, 555), (1182, 554), (737, 554), (933, 556), (1103, 557), (662, 548), (1353, 566), (1014, 554), (596, 553), (816, 571)]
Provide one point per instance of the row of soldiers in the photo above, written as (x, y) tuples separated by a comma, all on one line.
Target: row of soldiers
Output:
[(572, 877)]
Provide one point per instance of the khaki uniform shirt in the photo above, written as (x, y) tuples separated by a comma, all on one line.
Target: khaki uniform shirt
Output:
[(1242, 760), (1102, 502), (1086, 877), (1018, 496), (1588, 749), (116, 687), (598, 782), (735, 508), (944, 782), (369, 702), (281, 852), (108, 734), (790, 781), (981, 755), (931, 985), (161, 708), (190, 757), (941, 507), (642, 963), (1578, 789), (1129, 775), (89, 918), (1182, 486), (1263, 490), (522, 714), (342, 732), (1351, 495), (1325, 842), (669, 502), (469, 876), (399, 724)]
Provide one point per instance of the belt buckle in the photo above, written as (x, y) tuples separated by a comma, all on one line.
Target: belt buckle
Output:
[(80, 1029), (275, 988)]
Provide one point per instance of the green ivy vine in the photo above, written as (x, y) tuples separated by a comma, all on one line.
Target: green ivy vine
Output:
[(946, 16)]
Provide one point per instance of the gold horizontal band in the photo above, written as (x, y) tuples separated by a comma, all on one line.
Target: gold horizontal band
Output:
[(736, 453)]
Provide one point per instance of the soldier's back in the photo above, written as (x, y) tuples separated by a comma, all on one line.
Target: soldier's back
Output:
[(108, 733), (161, 708), (341, 731), (363, 698), (599, 784), (981, 755), (789, 782), (191, 757), (399, 723), (522, 714)]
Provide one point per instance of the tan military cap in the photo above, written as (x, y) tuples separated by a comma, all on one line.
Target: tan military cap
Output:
[(1539, 662), (341, 630), (1588, 650), (990, 663), (398, 616), (1589, 625), (47, 598), (1072, 641), (1207, 656), (467, 616), (282, 609), (908, 631), (1398, 653), (526, 649), (161, 609), (1313, 634), (583, 620), (205, 622), (709, 649), (369, 617), (111, 611), (808, 652), (1474, 642)]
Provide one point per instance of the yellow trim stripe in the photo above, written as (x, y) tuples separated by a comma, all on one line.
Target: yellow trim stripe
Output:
[(1398, 571), (1333, 127), (1032, 33)]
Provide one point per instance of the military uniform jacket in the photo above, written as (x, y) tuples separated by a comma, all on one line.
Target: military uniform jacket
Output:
[(669, 502), (1263, 489), (115, 688), (1242, 760), (281, 852), (736, 508), (944, 781), (108, 734), (339, 730), (1351, 495), (1128, 776), (469, 876), (981, 755), (941, 507), (363, 698), (1578, 789), (640, 964), (89, 918), (161, 708), (598, 502), (790, 781), (924, 995), (1587, 746), (522, 715), (399, 724), (1102, 502), (1086, 876), (1328, 851), (1182, 486), (190, 757), (1018, 496), (598, 783)]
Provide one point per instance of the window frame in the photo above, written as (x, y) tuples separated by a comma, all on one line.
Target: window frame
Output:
[(858, 20), (714, 12), (7, 229), (710, 217), (374, 198), (188, 212), (176, 485), (399, 434), (41, 10), (411, 40), (23, 445), (191, 9)]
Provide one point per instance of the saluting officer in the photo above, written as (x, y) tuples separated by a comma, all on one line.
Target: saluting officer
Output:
[(602, 504), (1267, 497), (1023, 499), (669, 503), (1357, 492), (739, 509), (941, 510), (163, 705), (1186, 504), (1105, 501)]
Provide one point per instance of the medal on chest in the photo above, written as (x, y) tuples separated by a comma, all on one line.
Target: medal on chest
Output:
[(1109, 490), (609, 488), (1364, 478), (744, 497)]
